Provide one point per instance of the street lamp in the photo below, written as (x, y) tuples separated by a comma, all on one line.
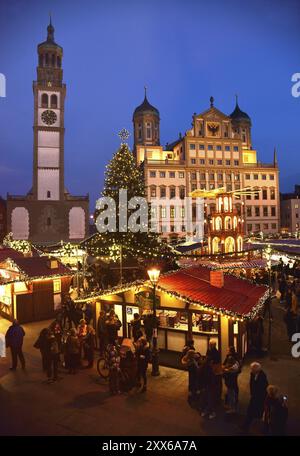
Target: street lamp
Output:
[(268, 254), (154, 277)]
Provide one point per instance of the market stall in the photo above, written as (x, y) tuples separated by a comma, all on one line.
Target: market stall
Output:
[(196, 302)]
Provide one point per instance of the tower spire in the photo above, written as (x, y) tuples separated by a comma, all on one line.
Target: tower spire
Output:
[(50, 30), (145, 89), (275, 157), (236, 99)]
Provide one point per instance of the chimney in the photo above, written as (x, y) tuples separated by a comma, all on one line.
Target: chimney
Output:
[(52, 263), (216, 278)]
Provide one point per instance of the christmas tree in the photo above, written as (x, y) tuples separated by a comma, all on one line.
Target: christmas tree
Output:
[(122, 174)]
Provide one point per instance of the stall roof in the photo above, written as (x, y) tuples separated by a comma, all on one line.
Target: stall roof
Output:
[(36, 267), (184, 248), (235, 264), (288, 246), (7, 252), (238, 297)]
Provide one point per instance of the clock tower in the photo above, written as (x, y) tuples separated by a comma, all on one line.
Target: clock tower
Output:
[(48, 213), (49, 100)]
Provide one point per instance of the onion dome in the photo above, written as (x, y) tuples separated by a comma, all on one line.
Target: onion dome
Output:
[(49, 43), (239, 115), (146, 107)]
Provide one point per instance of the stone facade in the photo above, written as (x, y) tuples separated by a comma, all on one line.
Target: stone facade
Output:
[(216, 152), (48, 213)]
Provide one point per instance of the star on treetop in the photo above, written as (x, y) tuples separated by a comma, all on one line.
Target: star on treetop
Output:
[(124, 134)]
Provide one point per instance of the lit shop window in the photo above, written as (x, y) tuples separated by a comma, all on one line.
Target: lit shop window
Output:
[(57, 286)]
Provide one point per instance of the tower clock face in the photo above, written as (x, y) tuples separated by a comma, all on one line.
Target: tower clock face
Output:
[(49, 117)]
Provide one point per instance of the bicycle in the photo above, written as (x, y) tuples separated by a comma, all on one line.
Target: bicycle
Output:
[(103, 366)]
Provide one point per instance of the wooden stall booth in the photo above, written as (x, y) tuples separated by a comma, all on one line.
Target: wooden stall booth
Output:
[(195, 302), (31, 288)]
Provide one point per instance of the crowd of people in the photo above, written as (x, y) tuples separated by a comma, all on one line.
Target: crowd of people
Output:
[(74, 349), (206, 376), (67, 349)]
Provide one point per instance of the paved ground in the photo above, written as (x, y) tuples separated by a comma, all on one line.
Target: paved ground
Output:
[(81, 405)]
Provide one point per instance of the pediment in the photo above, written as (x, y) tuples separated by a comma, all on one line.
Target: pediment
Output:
[(213, 114)]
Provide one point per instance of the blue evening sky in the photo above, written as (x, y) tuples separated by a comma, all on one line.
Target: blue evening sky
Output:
[(183, 50)]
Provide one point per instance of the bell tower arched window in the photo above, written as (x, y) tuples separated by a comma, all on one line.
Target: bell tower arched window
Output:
[(58, 61), (44, 100), (54, 101), (139, 130)]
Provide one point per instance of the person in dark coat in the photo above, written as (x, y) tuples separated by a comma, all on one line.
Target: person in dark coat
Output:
[(290, 319), (148, 326), (258, 393), (142, 353), (282, 288), (191, 361), (128, 371), (102, 331), (14, 340), (89, 346), (275, 412), (113, 325), (231, 369), (73, 351), (88, 313), (209, 385), (41, 344), (52, 357), (57, 330), (213, 357), (136, 327)]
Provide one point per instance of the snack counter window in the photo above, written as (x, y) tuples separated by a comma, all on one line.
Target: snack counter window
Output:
[(174, 328)]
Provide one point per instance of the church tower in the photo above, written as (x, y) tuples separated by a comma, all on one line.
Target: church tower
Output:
[(146, 124), (48, 213), (49, 99)]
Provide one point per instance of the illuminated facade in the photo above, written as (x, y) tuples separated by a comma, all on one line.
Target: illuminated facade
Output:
[(225, 227), (216, 152)]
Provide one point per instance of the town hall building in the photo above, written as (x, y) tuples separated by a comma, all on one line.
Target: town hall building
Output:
[(216, 152)]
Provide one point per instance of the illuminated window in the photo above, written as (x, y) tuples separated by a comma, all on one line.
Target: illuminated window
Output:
[(57, 286), (148, 130)]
